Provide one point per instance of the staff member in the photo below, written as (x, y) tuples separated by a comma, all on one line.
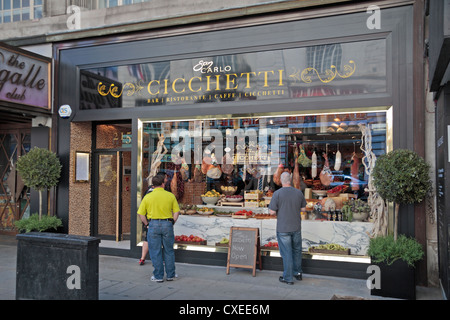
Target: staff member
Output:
[(287, 203), (161, 209)]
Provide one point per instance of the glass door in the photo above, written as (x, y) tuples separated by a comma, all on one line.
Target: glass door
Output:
[(111, 194)]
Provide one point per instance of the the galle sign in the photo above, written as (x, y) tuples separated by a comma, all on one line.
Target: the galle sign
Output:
[(24, 77)]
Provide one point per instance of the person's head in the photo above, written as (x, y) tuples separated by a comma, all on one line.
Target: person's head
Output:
[(158, 180), (162, 174), (285, 179)]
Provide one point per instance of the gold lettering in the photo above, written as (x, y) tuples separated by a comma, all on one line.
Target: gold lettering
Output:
[(190, 84), (166, 82), (149, 89), (173, 85), (231, 81), (265, 77), (208, 83), (247, 74), (114, 90), (280, 73), (101, 88)]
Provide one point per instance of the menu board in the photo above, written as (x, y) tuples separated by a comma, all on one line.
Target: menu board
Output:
[(244, 249)]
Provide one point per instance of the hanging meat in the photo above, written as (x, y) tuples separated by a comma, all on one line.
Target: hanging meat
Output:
[(314, 165), (338, 161), (296, 179), (326, 177), (173, 184), (227, 166), (354, 172), (206, 164), (277, 175), (198, 173)]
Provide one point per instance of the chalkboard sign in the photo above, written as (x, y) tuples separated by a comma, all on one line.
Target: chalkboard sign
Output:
[(244, 249)]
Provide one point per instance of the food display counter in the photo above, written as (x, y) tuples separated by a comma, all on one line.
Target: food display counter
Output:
[(213, 228)]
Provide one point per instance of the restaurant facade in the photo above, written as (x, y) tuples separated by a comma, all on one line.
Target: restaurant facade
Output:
[(25, 122), (223, 108)]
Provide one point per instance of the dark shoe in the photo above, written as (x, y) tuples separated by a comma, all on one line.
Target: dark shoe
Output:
[(284, 281), (141, 262), (298, 277)]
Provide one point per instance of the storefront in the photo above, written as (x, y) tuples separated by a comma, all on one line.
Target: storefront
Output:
[(25, 121), (223, 111)]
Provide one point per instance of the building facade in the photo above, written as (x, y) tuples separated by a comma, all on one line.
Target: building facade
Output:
[(150, 86)]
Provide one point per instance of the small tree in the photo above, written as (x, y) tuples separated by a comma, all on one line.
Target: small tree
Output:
[(39, 169), (401, 176)]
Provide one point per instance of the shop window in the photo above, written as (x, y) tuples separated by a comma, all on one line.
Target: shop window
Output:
[(220, 153)]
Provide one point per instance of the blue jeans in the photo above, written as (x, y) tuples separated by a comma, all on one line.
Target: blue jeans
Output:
[(160, 240), (290, 245)]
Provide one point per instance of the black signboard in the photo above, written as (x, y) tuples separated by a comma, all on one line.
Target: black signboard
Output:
[(244, 250)]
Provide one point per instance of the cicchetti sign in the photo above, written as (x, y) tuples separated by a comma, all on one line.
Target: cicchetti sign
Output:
[(24, 77)]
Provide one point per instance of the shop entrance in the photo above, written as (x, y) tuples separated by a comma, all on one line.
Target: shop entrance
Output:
[(112, 197)]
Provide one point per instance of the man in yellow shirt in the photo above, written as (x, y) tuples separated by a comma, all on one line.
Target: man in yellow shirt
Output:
[(160, 208)]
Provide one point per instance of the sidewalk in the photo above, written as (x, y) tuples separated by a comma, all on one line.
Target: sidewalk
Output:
[(124, 279)]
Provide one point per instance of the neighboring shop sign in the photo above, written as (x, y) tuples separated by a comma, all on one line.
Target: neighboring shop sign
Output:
[(24, 77), (325, 70)]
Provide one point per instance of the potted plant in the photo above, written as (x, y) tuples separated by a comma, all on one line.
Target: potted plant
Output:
[(401, 177), (39, 169), (355, 210), (396, 260), (33, 223)]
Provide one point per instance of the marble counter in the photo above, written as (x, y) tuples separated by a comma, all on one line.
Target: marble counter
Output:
[(353, 235)]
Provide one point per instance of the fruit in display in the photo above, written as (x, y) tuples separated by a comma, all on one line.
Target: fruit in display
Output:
[(244, 213), (271, 244), (191, 238), (330, 246), (224, 240), (211, 193)]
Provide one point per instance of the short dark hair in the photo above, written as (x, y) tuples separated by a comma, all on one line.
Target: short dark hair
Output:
[(158, 180)]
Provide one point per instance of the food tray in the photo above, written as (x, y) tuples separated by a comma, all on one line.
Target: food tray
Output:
[(218, 244), (235, 204), (203, 243), (234, 199), (252, 196), (234, 216), (264, 216), (325, 251), (332, 195), (251, 204), (205, 213)]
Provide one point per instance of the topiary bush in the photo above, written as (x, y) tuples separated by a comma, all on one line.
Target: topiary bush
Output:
[(401, 176), (39, 169)]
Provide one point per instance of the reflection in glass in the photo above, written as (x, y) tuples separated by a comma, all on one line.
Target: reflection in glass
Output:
[(354, 68)]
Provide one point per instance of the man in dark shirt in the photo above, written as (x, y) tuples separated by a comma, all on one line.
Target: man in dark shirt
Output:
[(287, 203)]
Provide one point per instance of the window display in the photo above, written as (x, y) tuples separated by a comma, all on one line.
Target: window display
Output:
[(236, 163)]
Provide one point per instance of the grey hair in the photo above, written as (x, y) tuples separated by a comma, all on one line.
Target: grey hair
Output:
[(285, 178)]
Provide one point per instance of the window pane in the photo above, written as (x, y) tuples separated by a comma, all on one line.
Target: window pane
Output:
[(38, 13), (25, 3), (16, 4), (6, 16), (26, 14), (6, 4), (113, 3), (16, 15), (125, 2), (38, 2)]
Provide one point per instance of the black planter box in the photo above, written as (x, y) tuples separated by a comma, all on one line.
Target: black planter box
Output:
[(54, 266), (396, 281)]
